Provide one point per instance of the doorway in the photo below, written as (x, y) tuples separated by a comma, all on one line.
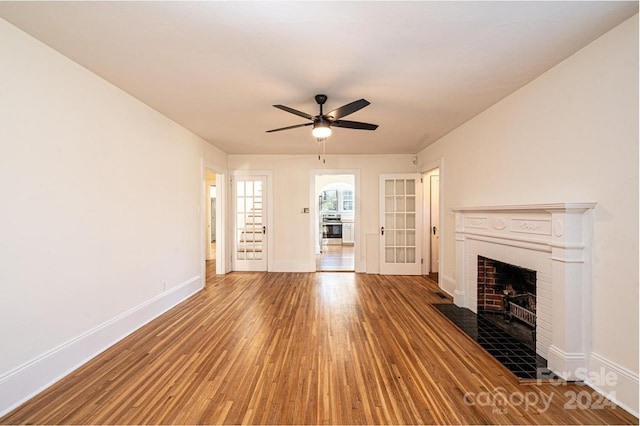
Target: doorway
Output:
[(335, 219), (212, 226), (214, 218), (431, 238)]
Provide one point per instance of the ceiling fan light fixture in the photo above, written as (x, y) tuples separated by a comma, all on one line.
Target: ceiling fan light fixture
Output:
[(321, 130), (322, 122)]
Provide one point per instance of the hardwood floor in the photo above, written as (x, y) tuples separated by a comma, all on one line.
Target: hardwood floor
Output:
[(336, 258), (304, 348)]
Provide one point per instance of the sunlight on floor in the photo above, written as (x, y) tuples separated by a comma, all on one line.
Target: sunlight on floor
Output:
[(336, 258)]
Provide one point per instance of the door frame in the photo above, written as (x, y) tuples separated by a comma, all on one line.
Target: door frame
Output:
[(222, 266), (314, 219), (269, 199), (426, 217)]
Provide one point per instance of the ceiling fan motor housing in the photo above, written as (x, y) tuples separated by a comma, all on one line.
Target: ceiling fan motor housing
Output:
[(321, 99)]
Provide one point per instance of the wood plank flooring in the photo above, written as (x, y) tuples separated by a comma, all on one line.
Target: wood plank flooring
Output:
[(336, 258), (304, 348)]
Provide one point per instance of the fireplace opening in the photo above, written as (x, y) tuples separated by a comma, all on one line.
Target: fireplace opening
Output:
[(507, 297)]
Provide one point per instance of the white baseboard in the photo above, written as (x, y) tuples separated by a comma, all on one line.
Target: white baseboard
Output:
[(617, 383), (448, 285), (24, 382), (566, 365)]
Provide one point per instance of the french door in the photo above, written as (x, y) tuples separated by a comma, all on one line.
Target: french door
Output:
[(250, 241), (435, 222), (400, 224)]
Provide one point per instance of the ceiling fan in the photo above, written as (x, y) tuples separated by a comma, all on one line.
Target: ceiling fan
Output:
[(322, 123)]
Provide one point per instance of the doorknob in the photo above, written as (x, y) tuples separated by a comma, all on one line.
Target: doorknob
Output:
[(434, 230), (382, 230)]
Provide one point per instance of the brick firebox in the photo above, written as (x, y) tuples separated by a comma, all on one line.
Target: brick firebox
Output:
[(489, 292), (495, 277)]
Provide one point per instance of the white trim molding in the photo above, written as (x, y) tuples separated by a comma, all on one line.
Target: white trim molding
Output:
[(26, 381), (448, 285), (619, 384)]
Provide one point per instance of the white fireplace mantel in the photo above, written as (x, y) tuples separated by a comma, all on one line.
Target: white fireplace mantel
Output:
[(581, 207), (555, 241)]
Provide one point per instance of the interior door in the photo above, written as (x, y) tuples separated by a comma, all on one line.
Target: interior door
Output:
[(435, 222), (250, 248), (400, 224)]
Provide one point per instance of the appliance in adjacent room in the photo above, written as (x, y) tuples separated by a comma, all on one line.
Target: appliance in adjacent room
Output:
[(331, 229)]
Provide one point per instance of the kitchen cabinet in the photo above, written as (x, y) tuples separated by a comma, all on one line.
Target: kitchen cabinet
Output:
[(348, 234)]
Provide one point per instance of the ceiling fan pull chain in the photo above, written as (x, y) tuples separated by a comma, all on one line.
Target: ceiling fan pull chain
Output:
[(324, 149)]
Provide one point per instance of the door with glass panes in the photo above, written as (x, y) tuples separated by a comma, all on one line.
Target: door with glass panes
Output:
[(250, 240), (400, 229)]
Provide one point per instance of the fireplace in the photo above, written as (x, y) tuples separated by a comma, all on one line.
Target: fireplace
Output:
[(507, 297), (553, 241)]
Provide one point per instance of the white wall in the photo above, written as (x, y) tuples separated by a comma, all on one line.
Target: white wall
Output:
[(100, 218), (214, 158), (294, 233), (570, 135)]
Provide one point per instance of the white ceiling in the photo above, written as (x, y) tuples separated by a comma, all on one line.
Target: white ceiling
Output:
[(217, 67)]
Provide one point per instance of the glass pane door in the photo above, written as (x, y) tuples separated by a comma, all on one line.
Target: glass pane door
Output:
[(250, 224), (400, 210)]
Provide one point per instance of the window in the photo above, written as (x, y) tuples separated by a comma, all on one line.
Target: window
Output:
[(347, 200), (337, 197), (329, 201)]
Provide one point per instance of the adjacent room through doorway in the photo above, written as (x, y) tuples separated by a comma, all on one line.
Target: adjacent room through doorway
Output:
[(214, 222), (335, 213), (210, 218), (431, 223)]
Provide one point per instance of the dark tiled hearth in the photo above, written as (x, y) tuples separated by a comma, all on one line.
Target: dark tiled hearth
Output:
[(440, 294), (520, 359)]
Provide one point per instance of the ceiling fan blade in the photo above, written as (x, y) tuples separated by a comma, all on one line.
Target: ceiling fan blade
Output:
[(347, 109), (289, 127), (295, 111), (354, 125)]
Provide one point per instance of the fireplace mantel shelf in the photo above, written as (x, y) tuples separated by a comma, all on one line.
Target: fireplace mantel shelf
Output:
[(553, 207)]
